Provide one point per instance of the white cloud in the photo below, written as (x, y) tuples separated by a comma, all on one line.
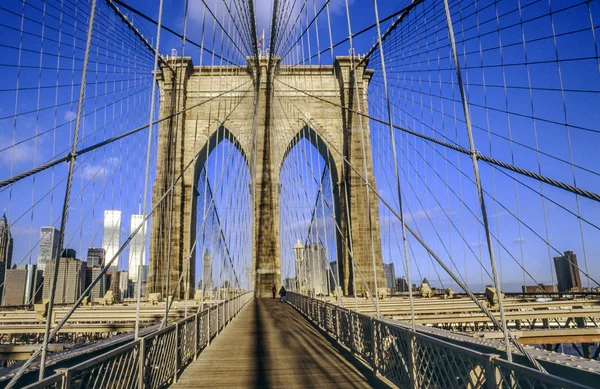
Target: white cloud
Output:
[(95, 172), (21, 153), (520, 239), (70, 116)]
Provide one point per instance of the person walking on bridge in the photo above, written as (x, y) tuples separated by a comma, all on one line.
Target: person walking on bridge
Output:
[(282, 293), (274, 290)]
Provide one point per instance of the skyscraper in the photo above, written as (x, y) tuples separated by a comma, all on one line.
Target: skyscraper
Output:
[(48, 249), (137, 256), (70, 281), (315, 261), (23, 286), (99, 290), (390, 275), (6, 246), (95, 257), (111, 238), (124, 285), (567, 272), (207, 281)]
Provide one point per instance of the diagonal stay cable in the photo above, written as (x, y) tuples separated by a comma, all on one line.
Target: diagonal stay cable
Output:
[(67, 157), (559, 184)]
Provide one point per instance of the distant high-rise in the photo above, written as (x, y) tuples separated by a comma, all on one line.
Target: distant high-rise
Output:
[(315, 262), (333, 276), (6, 247), (99, 290), (401, 285), (114, 278), (111, 238), (567, 272), (137, 256), (207, 281), (390, 275), (95, 257), (124, 285), (23, 286), (70, 281), (48, 249)]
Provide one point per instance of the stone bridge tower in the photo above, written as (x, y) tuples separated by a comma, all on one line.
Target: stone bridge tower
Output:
[(262, 97)]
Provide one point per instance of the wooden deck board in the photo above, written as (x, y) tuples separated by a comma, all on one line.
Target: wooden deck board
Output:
[(270, 345)]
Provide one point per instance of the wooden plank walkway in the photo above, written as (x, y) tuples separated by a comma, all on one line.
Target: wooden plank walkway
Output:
[(270, 345)]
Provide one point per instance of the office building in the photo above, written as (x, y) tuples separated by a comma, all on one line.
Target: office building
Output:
[(125, 285), (401, 285), (315, 268), (207, 281), (111, 237), (113, 282), (23, 286), (70, 281), (289, 284), (48, 249), (95, 257), (390, 275), (6, 247), (333, 276), (99, 290), (137, 255), (144, 270), (567, 273)]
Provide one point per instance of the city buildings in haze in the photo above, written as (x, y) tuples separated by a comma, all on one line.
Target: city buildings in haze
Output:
[(136, 247), (207, 281), (95, 257), (70, 282), (6, 247), (23, 286), (390, 275)]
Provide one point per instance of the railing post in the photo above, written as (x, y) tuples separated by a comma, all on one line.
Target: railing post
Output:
[(337, 324), (196, 335), (374, 345), (493, 379), (412, 360), (208, 326), (66, 377), (176, 362), (142, 354)]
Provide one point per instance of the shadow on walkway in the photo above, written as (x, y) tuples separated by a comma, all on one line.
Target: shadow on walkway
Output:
[(270, 345)]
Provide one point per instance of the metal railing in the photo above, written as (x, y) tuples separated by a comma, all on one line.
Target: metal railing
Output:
[(415, 360), (153, 361)]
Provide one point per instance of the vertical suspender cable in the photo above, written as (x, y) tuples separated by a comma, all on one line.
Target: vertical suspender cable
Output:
[(367, 186), (146, 180), (473, 154), (397, 177), (63, 222)]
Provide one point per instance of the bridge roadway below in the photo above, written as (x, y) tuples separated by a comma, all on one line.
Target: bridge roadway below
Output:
[(270, 345)]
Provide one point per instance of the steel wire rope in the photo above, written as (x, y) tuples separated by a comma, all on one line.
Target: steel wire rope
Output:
[(481, 157), (438, 259), (104, 270)]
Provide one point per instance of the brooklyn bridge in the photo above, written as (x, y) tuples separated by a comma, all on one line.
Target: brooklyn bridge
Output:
[(299, 193)]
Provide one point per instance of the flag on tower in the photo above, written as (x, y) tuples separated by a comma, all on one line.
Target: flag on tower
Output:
[(262, 37)]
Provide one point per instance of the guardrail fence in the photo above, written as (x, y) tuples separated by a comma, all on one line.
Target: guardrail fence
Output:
[(153, 361), (414, 360)]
